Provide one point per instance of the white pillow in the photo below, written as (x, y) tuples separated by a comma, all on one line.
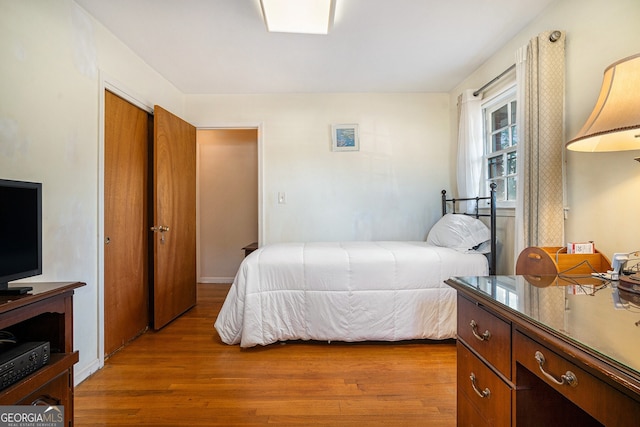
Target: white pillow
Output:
[(460, 232)]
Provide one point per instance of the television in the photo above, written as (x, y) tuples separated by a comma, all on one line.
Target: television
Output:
[(20, 233)]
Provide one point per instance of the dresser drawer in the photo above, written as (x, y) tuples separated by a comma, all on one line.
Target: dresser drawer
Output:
[(604, 403), (482, 395), (468, 414), (486, 333)]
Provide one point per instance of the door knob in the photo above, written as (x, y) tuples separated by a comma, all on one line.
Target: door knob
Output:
[(161, 229)]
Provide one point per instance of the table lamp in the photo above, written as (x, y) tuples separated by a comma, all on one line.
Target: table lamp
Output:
[(614, 123)]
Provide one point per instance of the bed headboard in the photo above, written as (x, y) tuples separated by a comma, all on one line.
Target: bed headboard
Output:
[(491, 199)]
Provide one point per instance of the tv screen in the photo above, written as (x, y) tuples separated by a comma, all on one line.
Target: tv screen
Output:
[(20, 233)]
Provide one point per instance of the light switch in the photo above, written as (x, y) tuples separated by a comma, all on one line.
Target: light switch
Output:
[(282, 198)]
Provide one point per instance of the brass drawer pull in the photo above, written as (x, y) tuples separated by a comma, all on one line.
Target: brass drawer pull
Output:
[(474, 328), (484, 393), (567, 378)]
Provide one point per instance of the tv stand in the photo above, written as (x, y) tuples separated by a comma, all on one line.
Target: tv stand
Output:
[(5, 289), (45, 314)]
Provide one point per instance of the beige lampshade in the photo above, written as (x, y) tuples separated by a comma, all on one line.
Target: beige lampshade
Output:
[(614, 123)]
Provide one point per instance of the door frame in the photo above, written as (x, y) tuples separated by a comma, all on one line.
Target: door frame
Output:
[(258, 126), (106, 82), (261, 215)]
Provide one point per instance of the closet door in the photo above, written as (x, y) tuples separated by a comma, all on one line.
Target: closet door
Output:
[(126, 223), (174, 217)]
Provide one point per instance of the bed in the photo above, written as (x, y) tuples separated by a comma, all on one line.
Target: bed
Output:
[(359, 291)]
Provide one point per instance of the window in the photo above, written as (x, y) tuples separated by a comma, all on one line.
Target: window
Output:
[(500, 143)]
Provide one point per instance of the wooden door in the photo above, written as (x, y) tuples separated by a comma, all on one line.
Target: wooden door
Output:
[(174, 202), (126, 224)]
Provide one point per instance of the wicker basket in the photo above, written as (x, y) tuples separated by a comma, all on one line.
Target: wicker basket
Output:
[(554, 260)]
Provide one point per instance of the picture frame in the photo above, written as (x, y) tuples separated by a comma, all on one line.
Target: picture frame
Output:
[(345, 137)]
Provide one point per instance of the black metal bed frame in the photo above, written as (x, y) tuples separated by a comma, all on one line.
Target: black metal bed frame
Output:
[(492, 215)]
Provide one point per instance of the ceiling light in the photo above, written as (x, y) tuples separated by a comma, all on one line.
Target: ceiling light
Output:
[(614, 123), (298, 16)]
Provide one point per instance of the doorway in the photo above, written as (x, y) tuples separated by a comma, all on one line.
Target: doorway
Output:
[(228, 200)]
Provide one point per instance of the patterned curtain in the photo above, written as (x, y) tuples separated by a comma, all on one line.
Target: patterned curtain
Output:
[(540, 210)]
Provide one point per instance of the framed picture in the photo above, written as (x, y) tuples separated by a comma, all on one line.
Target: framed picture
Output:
[(345, 138)]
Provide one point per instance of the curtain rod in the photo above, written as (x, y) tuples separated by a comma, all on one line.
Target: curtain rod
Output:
[(495, 79), (553, 37)]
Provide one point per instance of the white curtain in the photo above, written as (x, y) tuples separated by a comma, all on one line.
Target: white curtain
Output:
[(540, 212), (470, 150)]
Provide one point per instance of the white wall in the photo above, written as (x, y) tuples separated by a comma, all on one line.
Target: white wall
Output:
[(601, 188), (388, 190), (53, 56)]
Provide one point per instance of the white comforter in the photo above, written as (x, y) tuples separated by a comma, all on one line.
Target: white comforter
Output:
[(347, 291)]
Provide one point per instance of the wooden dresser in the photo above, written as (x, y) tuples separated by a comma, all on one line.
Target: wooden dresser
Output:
[(563, 354), (45, 314)]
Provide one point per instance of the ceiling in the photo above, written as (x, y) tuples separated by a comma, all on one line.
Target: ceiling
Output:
[(222, 46)]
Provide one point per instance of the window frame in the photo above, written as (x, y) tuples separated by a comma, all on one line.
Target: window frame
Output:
[(507, 96)]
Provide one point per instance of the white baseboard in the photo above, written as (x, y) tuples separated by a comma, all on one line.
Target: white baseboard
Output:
[(83, 374), (215, 280)]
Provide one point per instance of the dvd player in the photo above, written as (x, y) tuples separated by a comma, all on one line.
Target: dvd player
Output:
[(22, 359)]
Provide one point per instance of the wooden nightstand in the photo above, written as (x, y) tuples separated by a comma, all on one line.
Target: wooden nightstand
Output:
[(250, 248)]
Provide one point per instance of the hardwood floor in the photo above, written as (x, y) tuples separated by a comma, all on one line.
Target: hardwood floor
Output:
[(184, 375)]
